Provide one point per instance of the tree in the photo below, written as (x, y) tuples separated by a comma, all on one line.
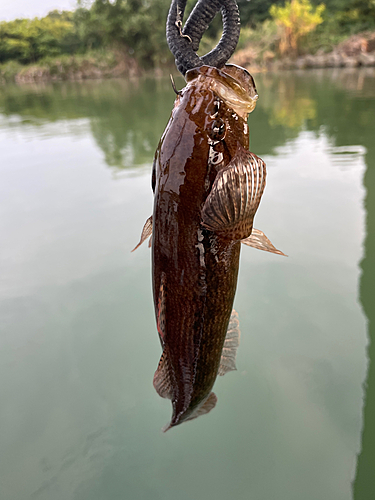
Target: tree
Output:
[(135, 25), (253, 12), (295, 19), (28, 40)]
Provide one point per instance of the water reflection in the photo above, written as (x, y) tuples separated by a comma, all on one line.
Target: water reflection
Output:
[(79, 415), (321, 101), (351, 128), (126, 119), (364, 484), (124, 116)]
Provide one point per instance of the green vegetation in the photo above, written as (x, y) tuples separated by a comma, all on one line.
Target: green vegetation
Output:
[(101, 34), (300, 28), (127, 28), (296, 19), (28, 40), (98, 63)]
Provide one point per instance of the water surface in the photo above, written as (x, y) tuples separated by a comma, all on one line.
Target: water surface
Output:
[(78, 344)]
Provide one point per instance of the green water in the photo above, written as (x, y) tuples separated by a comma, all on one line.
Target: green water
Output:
[(79, 417)]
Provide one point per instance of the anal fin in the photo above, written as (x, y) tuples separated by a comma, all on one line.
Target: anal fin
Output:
[(146, 232), (231, 343), (259, 240), (162, 380)]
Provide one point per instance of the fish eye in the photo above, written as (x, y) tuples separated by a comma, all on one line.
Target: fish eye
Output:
[(217, 130)]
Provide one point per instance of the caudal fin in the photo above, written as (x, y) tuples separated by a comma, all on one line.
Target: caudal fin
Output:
[(204, 408)]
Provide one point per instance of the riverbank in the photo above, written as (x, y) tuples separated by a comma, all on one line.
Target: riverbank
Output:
[(92, 65), (358, 50)]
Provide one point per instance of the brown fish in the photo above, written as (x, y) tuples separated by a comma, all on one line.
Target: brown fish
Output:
[(207, 188)]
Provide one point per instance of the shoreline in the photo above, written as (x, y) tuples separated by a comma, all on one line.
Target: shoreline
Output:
[(37, 75), (354, 52), (358, 51)]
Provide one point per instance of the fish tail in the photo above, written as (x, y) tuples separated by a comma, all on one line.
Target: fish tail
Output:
[(167, 427), (205, 407)]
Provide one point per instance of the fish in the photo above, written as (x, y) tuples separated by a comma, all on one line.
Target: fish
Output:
[(207, 188)]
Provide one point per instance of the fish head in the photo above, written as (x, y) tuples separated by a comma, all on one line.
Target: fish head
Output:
[(208, 122), (233, 84), (233, 97)]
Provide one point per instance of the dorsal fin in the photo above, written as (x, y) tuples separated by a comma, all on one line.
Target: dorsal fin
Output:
[(162, 380), (231, 343)]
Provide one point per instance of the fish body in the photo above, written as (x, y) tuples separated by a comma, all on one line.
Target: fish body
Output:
[(194, 269), (207, 187)]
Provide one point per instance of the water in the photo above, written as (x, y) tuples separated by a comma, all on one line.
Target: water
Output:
[(79, 417)]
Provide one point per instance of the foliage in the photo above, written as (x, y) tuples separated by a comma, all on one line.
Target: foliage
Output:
[(264, 35), (359, 15), (98, 63), (137, 25), (27, 40), (296, 19), (136, 28), (324, 38), (254, 12), (9, 70)]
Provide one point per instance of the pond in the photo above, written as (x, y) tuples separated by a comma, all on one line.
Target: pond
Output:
[(79, 416)]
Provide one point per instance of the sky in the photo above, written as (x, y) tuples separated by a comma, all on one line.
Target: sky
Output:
[(13, 9)]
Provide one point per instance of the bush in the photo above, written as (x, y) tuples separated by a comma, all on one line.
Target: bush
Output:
[(9, 70), (28, 40), (295, 19)]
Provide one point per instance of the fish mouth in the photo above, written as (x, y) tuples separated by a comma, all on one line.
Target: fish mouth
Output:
[(233, 84)]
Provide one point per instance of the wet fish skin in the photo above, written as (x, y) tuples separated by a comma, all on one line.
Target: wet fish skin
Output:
[(207, 188), (195, 269)]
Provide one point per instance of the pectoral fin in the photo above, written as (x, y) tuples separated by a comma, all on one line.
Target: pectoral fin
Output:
[(231, 343), (146, 232), (259, 240), (235, 196)]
